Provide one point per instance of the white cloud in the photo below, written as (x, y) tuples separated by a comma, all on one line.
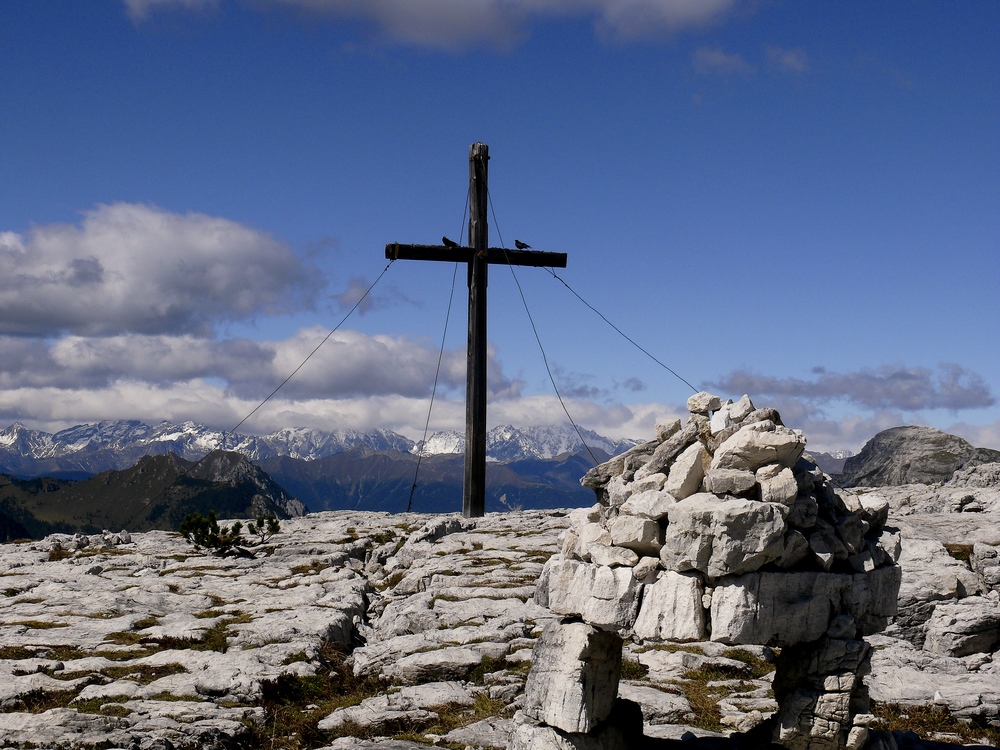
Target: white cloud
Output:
[(868, 401), (640, 18), (60, 375), (355, 364), (899, 387), (457, 24), (130, 267), (714, 60), (788, 60), (52, 407), (139, 10), (158, 359)]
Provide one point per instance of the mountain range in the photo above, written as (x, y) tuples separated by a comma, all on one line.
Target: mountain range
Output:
[(535, 467), (117, 474), (82, 451)]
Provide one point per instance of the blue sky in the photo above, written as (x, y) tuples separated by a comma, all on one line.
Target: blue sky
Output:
[(800, 201)]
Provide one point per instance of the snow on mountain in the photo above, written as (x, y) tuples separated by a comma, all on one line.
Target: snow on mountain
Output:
[(440, 443), (508, 443), (20, 439), (310, 444), (103, 433), (118, 444)]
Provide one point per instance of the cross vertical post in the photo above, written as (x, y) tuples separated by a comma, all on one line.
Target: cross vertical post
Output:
[(479, 256), (474, 487)]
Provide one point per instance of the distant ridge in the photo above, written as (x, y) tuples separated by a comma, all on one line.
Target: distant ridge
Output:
[(85, 450), (156, 493)]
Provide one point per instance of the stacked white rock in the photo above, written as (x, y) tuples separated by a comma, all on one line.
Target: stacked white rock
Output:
[(719, 529)]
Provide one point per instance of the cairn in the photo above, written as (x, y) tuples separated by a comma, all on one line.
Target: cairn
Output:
[(720, 529)]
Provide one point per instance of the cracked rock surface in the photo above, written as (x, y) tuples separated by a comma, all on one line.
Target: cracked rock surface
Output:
[(138, 641)]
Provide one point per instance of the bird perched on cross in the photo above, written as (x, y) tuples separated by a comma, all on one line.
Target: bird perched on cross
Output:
[(521, 245)]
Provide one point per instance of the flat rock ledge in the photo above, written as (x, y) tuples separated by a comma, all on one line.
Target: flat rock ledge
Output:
[(139, 642)]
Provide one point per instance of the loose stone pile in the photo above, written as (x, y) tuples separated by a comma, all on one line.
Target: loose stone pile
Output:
[(721, 530)]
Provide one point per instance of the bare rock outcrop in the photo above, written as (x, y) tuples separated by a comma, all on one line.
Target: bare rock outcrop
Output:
[(912, 455)]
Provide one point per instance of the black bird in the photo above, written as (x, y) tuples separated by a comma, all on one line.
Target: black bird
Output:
[(521, 245), (449, 243)]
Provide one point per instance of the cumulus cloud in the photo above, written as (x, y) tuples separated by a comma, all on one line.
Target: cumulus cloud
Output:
[(139, 10), (139, 268), (627, 19), (355, 364), (348, 365), (159, 360), (788, 60), (456, 24), (716, 61), (902, 388)]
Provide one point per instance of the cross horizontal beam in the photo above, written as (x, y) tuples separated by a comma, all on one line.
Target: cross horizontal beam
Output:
[(496, 255)]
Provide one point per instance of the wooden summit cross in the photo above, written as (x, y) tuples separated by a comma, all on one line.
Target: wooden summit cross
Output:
[(478, 255)]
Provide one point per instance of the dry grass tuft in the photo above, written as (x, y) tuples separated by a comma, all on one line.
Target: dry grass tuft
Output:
[(931, 721)]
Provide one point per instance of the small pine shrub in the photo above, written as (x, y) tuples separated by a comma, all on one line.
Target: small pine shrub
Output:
[(263, 528), (204, 532)]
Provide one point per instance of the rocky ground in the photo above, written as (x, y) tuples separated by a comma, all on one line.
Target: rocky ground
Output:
[(357, 630)]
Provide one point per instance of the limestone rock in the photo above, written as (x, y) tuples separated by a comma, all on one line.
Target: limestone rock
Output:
[(617, 491), (967, 626), (875, 510), (603, 596), (612, 556), (729, 481), (786, 608), (641, 535), (929, 576), (580, 516), (646, 569), (600, 475), (671, 609), (985, 563), (649, 504), (658, 706), (703, 403), (411, 705), (574, 676), (665, 452), (722, 536), (904, 674), (488, 733), (753, 447), (666, 430), (687, 471), (804, 512), (593, 533), (820, 690), (721, 419), (777, 484), (741, 409), (648, 482)]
